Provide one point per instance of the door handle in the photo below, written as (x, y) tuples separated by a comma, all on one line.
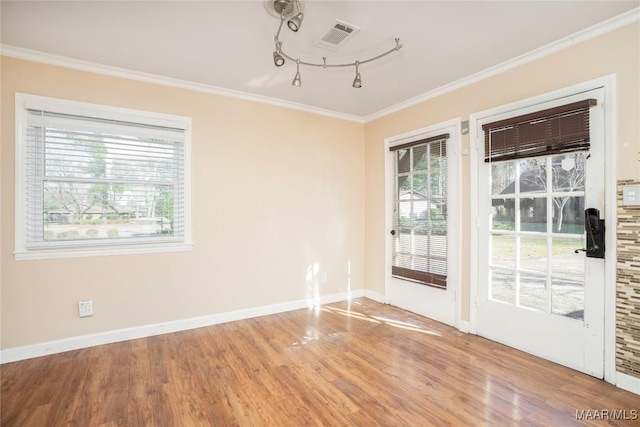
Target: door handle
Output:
[(393, 232), (594, 228)]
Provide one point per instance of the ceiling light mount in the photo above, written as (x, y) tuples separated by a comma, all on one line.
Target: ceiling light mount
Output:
[(292, 11)]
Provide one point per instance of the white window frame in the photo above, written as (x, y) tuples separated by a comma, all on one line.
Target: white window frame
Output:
[(95, 247)]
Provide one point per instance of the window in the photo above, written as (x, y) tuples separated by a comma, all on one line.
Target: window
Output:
[(94, 180), (420, 211)]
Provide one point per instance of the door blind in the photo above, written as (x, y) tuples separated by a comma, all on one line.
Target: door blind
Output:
[(556, 130), (420, 211)]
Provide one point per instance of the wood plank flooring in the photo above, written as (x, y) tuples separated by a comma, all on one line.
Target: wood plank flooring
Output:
[(357, 364)]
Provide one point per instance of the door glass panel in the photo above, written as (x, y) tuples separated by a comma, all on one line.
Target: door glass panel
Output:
[(533, 175), (402, 260), (503, 178), (567, 282), (420, 263), (567, 297), (438, 247), (421, 242), (533, 214), (565, 261), (568, 215), (533, 293), (403, 161), (420, 188), (503, 286), (405, 213), (404, 241), (533, 253), (439, 266), (568, 172), (404, 186), (420, 158), (503, 250), (437, 182), (503, 214), (534, 204)]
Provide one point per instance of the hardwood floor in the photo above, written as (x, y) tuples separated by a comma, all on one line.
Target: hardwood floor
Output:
[(358, 364)]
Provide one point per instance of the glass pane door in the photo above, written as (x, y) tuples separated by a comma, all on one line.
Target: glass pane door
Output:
[(537, 223)]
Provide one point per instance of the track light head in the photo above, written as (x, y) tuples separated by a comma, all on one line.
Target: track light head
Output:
[(295, 22), (296, 80), (357, 82), (278, 59)]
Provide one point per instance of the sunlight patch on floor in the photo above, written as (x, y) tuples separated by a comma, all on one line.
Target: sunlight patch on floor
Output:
[(377, 319)]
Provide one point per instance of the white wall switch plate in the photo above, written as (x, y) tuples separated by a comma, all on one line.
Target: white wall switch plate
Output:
[(631, 195)]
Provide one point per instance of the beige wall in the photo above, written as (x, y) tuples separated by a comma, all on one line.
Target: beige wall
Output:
[(617, 53), (274, 191)]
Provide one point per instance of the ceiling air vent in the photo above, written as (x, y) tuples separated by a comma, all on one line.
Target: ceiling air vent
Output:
[(337, 35)]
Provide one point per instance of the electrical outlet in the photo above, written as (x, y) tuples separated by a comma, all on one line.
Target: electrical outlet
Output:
[(324, 276), (85, 308)]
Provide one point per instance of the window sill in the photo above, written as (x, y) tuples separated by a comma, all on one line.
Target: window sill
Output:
[(81, 252)]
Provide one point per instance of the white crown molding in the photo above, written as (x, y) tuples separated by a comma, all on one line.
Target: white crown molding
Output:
[(109, 337), (76, 64), (594, 31)]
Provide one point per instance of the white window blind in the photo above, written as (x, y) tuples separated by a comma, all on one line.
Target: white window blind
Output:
[(98, 182), (420, 216)]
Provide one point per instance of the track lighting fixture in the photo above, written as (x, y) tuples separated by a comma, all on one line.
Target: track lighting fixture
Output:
[(295, 22), (278, 59), (357, 82), (284, 8), (296, 80)]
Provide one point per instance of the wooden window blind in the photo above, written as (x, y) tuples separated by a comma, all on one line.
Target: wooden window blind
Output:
[(554, 130)]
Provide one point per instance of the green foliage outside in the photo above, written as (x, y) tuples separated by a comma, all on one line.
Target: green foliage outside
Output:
[(71, 234), (91, 233), (436, 226)]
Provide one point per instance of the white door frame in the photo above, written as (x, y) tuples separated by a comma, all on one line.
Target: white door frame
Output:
[(454, 215), (608, 83)]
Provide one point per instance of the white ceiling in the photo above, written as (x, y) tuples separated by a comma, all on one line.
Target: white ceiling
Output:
[(229, 44)]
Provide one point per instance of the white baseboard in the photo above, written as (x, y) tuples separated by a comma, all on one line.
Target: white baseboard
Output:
[(75, 343), (376, 296), (464, 326), (627, 382)]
